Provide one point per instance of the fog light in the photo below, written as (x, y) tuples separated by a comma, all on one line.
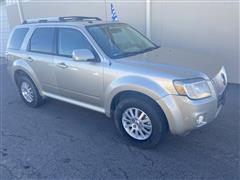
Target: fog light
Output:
[(200, 121)]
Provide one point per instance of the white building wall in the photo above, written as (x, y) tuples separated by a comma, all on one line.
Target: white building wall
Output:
[(38, 9), (131, 12), (205, 27), (208, 27)]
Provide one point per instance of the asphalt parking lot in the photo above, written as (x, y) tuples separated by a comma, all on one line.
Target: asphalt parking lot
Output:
[(63, 141)]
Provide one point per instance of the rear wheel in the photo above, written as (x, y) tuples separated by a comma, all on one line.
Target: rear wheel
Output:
[(29, 92), (140, 121)]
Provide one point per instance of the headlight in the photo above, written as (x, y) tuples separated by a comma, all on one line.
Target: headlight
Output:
[(193, 88)]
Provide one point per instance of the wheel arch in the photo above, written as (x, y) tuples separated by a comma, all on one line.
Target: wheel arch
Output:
[(22, 68), (18, 73), (129, 93), (136, 84), (133, 86)]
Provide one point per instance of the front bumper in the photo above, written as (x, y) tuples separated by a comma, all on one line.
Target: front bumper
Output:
[(184, 115)]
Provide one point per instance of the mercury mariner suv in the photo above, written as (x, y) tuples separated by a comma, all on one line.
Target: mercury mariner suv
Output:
[(112, 68)]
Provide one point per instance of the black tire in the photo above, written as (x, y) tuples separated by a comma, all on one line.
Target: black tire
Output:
[(37, 98), (156, 115)]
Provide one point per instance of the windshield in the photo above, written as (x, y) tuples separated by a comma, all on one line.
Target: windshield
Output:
[(120, 40)]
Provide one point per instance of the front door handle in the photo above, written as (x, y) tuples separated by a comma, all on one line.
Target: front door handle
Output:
[(62, 65)]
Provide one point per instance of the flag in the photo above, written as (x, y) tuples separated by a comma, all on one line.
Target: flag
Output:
[(114, 15)]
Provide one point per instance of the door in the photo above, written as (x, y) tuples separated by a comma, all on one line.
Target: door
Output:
[(40, 57), (77, 80)]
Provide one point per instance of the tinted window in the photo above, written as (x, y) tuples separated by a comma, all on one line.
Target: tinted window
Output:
[(17, 38), (42, 40), (71, 39)]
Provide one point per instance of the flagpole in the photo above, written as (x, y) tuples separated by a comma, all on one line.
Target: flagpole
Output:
[(148, 18), (20, 10), (105, 1)]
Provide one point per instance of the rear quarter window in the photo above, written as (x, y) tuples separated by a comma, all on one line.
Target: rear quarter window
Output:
[(17, 38)]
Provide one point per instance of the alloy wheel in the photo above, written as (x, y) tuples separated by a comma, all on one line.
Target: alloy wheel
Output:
[(137, 123), (27, 92)]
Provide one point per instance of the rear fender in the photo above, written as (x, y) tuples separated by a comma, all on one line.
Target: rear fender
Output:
[(22, 65)]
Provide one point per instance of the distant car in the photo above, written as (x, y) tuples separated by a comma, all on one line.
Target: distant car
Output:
[(112, 68)]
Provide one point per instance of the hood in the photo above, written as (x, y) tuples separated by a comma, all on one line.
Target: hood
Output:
[(178, 62)]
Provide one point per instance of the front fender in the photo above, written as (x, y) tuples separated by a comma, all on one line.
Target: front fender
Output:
[(22, 65), (132, 83)]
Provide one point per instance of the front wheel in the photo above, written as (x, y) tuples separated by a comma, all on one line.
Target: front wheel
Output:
[(141, 122)]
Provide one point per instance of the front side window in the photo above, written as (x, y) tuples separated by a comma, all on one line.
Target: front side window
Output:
[(120, 40), (71, 39), (17, 38), (42, 40)]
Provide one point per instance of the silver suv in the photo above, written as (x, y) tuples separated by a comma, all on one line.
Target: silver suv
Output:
[(112, 68)]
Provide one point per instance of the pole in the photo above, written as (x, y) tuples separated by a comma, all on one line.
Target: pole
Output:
[(148, 18), (20, 11)]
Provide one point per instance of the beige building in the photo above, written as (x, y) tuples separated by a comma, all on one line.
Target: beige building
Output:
[(206, 27)]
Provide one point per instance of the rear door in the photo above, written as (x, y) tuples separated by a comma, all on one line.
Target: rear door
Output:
[(41, 50)]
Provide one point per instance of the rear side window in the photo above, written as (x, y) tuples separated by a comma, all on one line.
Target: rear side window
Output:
[(17, 38), (42, 41)]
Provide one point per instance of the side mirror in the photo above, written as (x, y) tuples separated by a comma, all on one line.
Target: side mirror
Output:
[(82, 55)]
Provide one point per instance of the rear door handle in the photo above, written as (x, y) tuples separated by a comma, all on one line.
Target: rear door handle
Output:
[(29, 59), (62, 65)]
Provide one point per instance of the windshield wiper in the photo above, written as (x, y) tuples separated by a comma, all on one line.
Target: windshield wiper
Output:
[(135, 52), (126, 54)]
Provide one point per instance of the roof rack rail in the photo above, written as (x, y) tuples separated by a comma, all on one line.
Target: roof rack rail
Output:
[(78, 18), (61, 19), (41, 20)]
